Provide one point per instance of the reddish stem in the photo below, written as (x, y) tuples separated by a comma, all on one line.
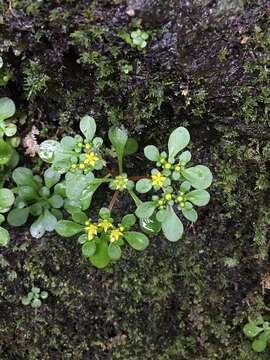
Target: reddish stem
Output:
[(113, 200), (138, 177)]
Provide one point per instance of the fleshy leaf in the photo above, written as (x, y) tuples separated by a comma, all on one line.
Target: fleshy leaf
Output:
[(145, 210), (131, 146), (6, 200), (128, 220), (5, 152), (172, 226), (101, 258), (178, 140), (89, 248), (190, 214), (4, 237), (51, 177), (18, 217), (151, 152), (198, 197), (136, 240), (7, 108), (199, 176), (150, 226), (67, 228), (114, 251), (251, 329), (88, 127), (143, 185), (47, 149), (118, 137), (37, 229)]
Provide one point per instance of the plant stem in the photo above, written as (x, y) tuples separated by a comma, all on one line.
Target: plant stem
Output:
[(113, 200), (135, 197)]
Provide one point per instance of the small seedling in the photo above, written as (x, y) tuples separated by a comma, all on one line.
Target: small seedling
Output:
[(136, 39), (5, 73), (34, 297), (126, 68), (259, 331)]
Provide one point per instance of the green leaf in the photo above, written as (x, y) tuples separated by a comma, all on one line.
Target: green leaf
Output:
[(68, 143), (150, 226), (178, 140), (101, 258), (51, 177), (118, 137), (185, 157), (145, 210), (128, 221), (79, 217), (143, 185), (151, 152), (190, 214), (7, 108), (131, 146), (5, 152), (82, 238), (114, 251), (27, 193), (6, 200), (44, 295), (24, 177), (49, 221), (172, 226), (4, 237), (26, 300), (136, 240), (18, 217), (47, 149), (10, 130), (36, 303), (104, 213), (198, 197), (37, 229), (199, 176), (161, 214), (259, 345), (68, 228), (89, 248), (1, 62), (75, 184), (88, 127), (251, 329), (56, 201)]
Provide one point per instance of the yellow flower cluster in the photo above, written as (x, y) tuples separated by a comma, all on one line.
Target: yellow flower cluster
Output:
[(121, 182), (89, 161), (158, 179), (116, 234), (91, 230), (103, 225)]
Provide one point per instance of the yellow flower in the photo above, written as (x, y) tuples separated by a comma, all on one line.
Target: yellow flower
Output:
[(90, 158), (81, 166), (88, 146), (91, 231), (177, 168), (158, 179), (167, 166), (115, 234), (121, 182), (105, 224), (168, 197)]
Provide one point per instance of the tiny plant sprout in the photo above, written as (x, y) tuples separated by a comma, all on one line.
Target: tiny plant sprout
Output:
[(34, 298), (259, 331)]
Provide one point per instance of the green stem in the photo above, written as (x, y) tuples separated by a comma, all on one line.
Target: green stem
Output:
[(120, 164), (135, 198)]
